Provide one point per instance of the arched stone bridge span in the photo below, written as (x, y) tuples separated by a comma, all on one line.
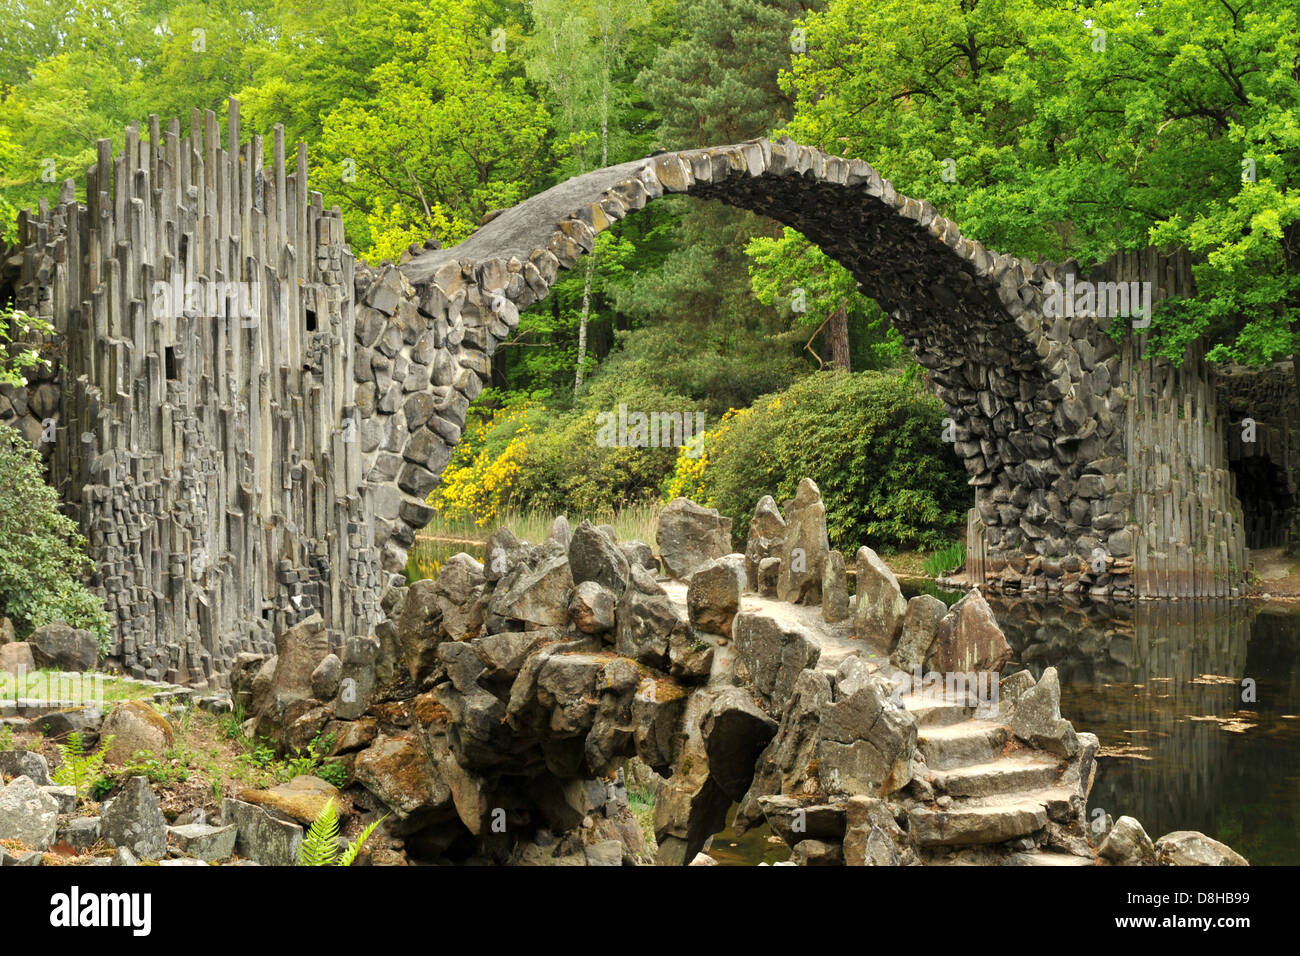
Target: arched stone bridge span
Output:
[(1039, 400), (247, 423)]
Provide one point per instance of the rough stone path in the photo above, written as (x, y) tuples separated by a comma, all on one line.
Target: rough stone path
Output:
[(989, 788)]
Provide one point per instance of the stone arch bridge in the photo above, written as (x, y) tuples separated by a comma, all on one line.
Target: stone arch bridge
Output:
[(247, 421)]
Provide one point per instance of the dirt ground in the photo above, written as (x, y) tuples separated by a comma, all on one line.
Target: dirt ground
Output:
[(1277, 575)]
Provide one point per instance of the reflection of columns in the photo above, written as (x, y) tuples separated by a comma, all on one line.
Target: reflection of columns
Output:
[(1157, 682)]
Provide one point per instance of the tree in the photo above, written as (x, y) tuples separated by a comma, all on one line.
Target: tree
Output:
[(574, 51), (1045, 128), (451, 133)]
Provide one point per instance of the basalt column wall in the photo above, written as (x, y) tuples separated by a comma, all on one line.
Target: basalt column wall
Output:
[(205, 438)]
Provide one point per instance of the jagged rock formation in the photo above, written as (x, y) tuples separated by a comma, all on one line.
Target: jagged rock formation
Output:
[(499, 711)]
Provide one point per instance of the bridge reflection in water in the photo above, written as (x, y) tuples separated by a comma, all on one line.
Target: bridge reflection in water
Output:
[(1161, 684)]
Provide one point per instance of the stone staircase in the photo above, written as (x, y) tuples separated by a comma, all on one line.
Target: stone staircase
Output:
[(993, 797)]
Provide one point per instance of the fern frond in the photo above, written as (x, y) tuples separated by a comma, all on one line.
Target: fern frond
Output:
[(318, 846), (355, 846)]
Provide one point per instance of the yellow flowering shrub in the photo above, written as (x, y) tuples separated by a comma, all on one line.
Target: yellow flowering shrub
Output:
[(479, 481)]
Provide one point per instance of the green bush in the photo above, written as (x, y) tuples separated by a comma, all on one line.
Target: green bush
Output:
[(872, 442), (565, 470), (42, 556)]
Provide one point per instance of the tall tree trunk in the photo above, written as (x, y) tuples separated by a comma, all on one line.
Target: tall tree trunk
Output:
[(582, 323), (578, 374), (837, 337)]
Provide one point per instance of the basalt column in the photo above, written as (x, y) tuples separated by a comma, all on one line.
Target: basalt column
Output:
[(206, 439)]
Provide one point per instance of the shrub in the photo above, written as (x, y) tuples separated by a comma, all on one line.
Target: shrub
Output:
[(42, 554), (871, 441)]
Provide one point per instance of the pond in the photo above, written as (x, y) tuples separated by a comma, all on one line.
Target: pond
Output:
[(1196, 705)]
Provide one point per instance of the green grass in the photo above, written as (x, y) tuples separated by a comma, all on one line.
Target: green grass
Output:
[(945, 560)]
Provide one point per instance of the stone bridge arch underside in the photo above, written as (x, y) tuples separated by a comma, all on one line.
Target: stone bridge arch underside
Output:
[(262, 450), (1067, 497)]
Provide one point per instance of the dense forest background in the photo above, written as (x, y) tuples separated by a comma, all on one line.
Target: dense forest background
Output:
[(1043, 127)]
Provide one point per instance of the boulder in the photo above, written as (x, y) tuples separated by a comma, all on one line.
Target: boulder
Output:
[(298, 652), (817, 853), (17, 658), (690, 653), (774, 650), (60, 723), (593, 556), (135, 726), (25, 763), (688, 535), (794, 819), (457, 589), (969, 639), (872, 836), (80, 833), (419, 631), (64, 648), (302, 798), (1192, 848), (880, 608), (65, 797), (259, 836), (866, 740), (1127, 844), (7, 633), (645, 618), (28, 815), (835, 589), (769, 573), (359, 676), (1037, 719), (766, 532), (204, 841), (134, 819), (804, 547), (502, 553), (535, 597), (638, 552), (591, 608), (326, 677), (397, 770), (920, 625), (713, 595)]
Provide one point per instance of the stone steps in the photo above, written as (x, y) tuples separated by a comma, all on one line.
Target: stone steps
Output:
[(946, 747), (1009, 774), (967, 825), (931, 713)]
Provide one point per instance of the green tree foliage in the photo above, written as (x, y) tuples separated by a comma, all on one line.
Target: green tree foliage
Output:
[(1064, 130), (42, 554), (872, 442), (451, 133), (818, 290)]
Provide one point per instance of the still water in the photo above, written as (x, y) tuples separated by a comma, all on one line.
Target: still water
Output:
[(1196, 705)]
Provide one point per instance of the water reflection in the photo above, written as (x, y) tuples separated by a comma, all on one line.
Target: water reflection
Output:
[(1196, 704)]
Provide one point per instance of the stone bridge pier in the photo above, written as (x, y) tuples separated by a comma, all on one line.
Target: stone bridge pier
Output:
[(247, 423)]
